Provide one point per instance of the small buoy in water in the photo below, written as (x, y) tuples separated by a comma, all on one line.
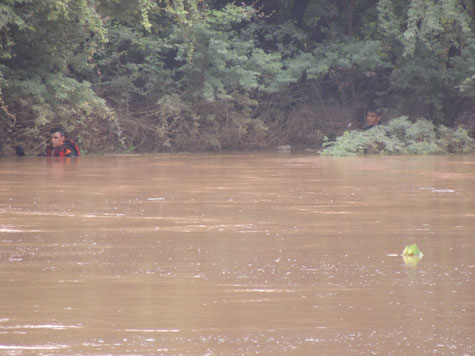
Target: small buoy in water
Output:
[(412, 255), (412, 250)]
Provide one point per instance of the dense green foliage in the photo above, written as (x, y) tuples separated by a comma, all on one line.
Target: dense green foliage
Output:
[(155, 75), (401, 136)]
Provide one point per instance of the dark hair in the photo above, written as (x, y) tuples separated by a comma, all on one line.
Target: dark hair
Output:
[(57, 129)]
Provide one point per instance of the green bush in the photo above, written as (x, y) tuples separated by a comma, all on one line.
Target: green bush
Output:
[(401, 136)]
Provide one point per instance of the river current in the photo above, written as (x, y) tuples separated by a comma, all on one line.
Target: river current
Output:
[(237, 254)]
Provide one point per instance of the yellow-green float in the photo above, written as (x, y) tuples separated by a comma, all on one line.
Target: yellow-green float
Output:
[(412, 255)]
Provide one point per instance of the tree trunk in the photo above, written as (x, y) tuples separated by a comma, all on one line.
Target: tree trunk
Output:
[(298, 10), (350, 31), (350, 12)]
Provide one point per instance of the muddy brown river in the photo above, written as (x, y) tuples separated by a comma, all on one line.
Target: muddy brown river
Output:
[(237, 254)]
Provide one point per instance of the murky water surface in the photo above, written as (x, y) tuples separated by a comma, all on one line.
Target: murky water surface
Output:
[(236, 254)]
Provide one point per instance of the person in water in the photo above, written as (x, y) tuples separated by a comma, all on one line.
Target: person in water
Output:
[(372, 119), (60, 145)]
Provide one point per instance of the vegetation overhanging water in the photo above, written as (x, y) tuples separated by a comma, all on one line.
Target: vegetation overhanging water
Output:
[(211, 75)]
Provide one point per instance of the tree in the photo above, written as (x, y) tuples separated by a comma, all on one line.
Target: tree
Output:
[(433, 51), (298, 10), (46, 53), (154, 75), (193, 80)]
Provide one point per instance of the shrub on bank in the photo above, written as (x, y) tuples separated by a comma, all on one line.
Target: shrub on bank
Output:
[(401, 136)]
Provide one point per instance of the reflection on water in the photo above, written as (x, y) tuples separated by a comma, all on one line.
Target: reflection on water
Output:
[(236, 254)]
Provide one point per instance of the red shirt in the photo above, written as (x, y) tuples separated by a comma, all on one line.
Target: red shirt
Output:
[(68, 149)]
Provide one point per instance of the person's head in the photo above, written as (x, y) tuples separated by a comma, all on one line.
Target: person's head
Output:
[(372, 118), (57, 136)]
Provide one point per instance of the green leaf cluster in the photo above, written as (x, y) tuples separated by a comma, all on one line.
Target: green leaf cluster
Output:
[(401, 136), (190, 85), (47, 48)]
